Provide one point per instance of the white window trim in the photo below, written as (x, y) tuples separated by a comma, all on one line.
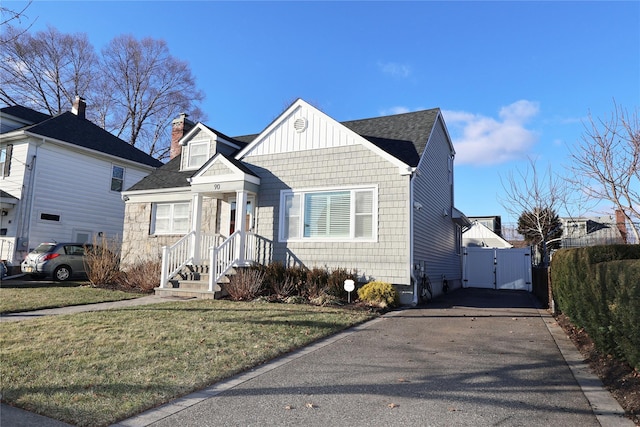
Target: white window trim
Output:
[(351, 238), (172, 230), (188, 165), (124, 173)]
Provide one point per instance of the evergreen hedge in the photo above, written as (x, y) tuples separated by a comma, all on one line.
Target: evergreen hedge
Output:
[(598, 288)]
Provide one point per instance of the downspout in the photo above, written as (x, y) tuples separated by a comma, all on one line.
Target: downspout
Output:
[(26, 218), (416, 297)]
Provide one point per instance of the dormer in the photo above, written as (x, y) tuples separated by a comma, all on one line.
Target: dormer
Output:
[(202, 143)]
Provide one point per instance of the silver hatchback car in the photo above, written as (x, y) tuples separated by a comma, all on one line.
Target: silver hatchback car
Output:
[(61, 261)]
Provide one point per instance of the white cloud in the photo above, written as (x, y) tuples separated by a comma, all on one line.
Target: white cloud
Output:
[(482, 140), (395, 110), (394, 69)]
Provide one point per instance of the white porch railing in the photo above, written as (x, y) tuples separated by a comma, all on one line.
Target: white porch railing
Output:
[(231, 252), (175, 257), (7, 245), (222, 258)]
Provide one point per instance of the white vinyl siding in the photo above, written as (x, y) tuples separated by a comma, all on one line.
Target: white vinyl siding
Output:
[(80, 193), (332, 214), (171, 218)]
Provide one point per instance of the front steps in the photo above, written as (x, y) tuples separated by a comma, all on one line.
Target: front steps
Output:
[(193, 282)]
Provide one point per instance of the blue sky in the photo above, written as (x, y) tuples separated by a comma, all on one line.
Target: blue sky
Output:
[(514, 79)]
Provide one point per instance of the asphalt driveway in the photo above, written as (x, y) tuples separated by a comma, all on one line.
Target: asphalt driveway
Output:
[(474, 358)]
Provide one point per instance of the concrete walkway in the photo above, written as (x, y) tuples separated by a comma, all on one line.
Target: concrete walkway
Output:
[(473, 358), (25, 315)]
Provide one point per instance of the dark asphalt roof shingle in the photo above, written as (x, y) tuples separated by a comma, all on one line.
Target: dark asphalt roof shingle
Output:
[(167, 176), (70, 128), (24, 113), (404, 136)]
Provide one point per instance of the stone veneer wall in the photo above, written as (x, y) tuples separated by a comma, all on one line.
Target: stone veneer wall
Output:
[(139, 245)]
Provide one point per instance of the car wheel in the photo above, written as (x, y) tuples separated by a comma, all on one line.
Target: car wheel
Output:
[(62, 273)]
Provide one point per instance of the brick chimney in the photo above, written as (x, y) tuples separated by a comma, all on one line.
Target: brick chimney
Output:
[(79, 107), (179, 127), (621, 223)]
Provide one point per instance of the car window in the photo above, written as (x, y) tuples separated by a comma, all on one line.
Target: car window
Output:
[(74, 250), (43, 248)]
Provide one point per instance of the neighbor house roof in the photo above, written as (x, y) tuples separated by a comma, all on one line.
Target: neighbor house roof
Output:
[(70, 128), (25, 114)]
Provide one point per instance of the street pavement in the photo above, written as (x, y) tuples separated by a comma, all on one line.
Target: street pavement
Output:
[(474, 357)]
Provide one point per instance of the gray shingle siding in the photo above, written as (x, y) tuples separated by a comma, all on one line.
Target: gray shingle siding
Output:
[(343, 167), (435, 233)]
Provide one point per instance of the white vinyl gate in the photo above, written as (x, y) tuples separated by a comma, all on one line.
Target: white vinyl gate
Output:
[(497, 268)]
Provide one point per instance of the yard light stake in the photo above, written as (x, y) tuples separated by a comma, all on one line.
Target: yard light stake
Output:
[(349, 286)]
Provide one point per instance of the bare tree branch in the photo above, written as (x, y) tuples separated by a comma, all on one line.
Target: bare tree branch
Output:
[(535, 197), (606, 163)]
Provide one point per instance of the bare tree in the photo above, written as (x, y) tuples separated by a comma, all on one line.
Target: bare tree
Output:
[(606, 163), (8, 17), (147, 88), (134, 91), (535, 196), (45, 71)]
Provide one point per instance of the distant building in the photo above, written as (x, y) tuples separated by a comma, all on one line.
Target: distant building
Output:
[(493, 223), (591, 231)]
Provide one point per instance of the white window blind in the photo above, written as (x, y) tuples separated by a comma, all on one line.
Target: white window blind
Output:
[(341, 214)]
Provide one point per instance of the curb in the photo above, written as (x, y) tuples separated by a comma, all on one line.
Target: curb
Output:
[(607, 409)]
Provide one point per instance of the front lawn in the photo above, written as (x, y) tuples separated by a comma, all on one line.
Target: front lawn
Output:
[(95, 368), (39, 295)]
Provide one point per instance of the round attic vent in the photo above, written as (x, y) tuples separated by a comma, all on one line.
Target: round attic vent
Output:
[(300, 125)]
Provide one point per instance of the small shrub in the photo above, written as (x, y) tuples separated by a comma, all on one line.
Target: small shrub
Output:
[(246, 284), (315, 282), (143, 276), (102, 263), (274, 273), (284, 290), (381, 294)]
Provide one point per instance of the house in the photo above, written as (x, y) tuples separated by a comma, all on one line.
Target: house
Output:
[(590, 231), (61, 178), (374, 195), (479, 235), (492, 222)]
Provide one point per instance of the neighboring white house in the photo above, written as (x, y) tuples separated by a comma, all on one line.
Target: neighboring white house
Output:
[(374, 195), (478, 235), (61, 178)]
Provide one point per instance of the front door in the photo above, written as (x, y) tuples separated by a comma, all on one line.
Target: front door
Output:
[(248, 217)]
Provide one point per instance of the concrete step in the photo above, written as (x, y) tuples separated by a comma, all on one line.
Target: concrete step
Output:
[(186, 293)]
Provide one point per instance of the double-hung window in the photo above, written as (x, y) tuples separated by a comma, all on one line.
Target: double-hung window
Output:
[(340, 214), (198, 154), (171, 218), (117, 178)]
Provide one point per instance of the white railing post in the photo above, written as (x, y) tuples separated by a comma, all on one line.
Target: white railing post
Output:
[(241, 223), (196, 227), (164, 279), (213, 268)]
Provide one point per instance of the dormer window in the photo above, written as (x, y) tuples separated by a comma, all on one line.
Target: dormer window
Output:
[(198, 154)]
